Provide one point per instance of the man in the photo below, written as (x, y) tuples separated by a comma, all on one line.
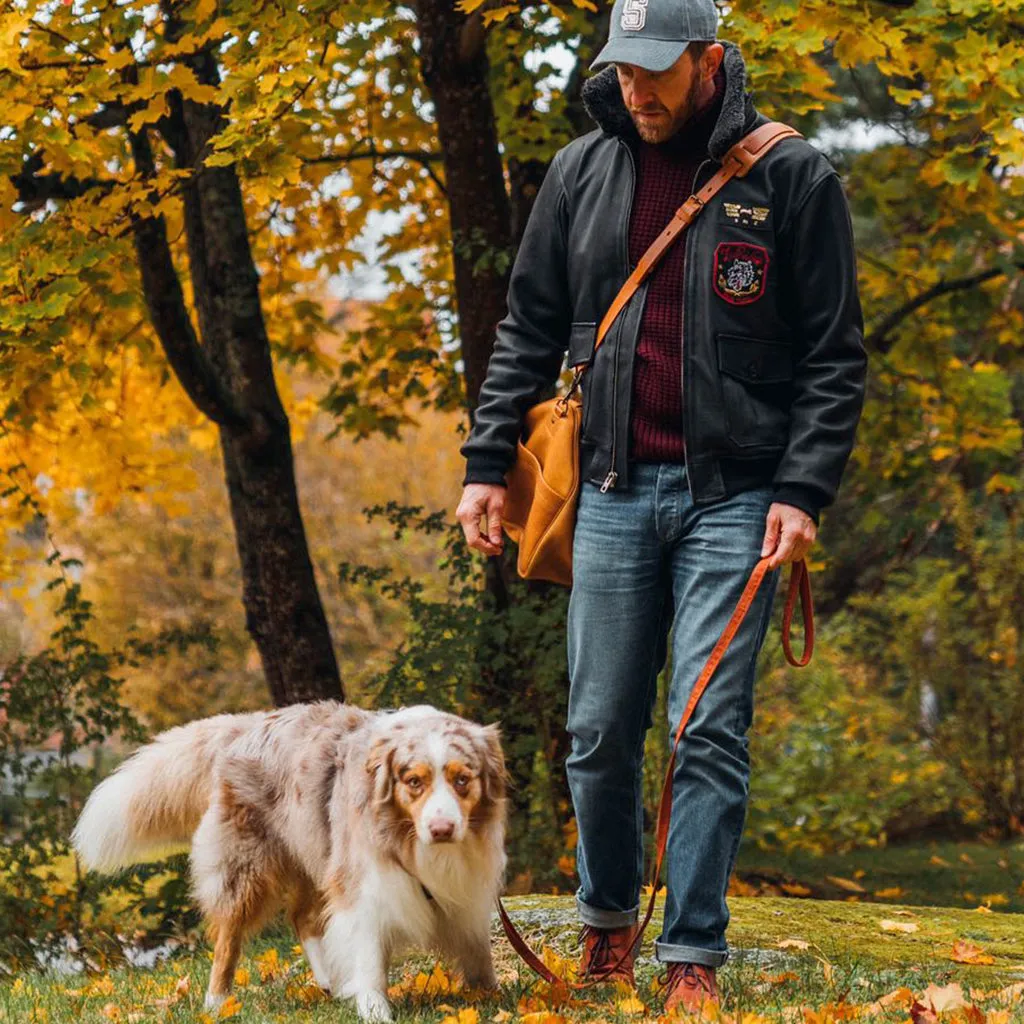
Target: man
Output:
[(719, 414)]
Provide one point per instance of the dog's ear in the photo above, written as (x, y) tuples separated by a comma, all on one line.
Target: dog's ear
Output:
[(494, 776), (379, 765)]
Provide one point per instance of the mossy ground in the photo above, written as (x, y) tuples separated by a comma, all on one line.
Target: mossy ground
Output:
[(849, 961)]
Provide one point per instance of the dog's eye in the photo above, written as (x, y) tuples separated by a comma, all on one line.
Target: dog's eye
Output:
[(414, 782), (462, 782)]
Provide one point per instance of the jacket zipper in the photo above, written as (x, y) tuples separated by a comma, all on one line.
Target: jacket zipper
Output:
[(684, 379), (609, 480)]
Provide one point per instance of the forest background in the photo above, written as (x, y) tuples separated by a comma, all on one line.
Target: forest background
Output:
[(251, 259)]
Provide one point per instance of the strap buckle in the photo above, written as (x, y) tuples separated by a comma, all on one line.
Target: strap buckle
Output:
[(563, 403)]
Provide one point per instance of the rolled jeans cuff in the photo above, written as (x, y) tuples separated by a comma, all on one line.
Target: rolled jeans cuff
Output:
[(599, 918), (669, 954)]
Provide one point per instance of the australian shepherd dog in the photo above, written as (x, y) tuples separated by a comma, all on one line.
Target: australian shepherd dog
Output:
[(375, 830)]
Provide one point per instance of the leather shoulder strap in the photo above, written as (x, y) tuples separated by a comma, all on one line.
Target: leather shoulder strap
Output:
[(737, 163)]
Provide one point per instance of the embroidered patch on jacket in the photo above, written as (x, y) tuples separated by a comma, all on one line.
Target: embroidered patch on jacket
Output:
[(746, 216), (740, 272)]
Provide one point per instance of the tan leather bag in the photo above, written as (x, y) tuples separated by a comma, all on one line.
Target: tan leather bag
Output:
[(543, 484)]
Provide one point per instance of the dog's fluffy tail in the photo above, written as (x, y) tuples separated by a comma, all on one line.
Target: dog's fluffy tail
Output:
[(150, 806)]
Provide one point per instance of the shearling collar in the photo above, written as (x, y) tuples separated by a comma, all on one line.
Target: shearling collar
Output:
[(602, 99)]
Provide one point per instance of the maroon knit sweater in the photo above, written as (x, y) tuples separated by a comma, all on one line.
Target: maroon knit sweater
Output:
[(664, 179)]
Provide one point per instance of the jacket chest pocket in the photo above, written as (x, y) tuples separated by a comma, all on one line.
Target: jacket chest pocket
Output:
[(756, 376)]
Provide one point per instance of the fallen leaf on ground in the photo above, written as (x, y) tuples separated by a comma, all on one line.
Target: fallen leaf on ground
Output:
[(968, 953), (231, 1007), (1011, 992), (939, 862), (997, 1017), (846, 883), (793, 944), (542, 1017), (779, 979), (899, 926), (944, 997), (795, 889), (901, 996), (305, 992), (630, 1005), (921, 1014), (467, 1016), (888, 894), (995, 898)]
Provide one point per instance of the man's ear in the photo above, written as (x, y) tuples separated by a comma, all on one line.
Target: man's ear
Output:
[(711, 60), (379, 764), (494, 776)]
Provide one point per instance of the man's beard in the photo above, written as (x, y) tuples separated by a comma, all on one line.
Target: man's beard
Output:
[(664, 129)]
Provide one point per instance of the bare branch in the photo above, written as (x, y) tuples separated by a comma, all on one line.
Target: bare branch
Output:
[(424, 157), (878, 339)]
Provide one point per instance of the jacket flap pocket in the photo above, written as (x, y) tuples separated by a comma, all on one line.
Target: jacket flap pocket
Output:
[(755, 360), (582, 335)]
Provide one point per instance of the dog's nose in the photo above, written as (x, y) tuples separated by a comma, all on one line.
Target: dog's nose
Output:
[(441, 830)]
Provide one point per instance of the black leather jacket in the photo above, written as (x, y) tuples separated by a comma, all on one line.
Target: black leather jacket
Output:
[(773, 360)]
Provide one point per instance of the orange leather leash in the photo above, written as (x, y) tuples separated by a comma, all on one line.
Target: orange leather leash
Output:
[(799, 582)]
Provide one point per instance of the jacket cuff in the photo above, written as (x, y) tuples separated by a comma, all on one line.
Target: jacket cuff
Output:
[(484, 471), (807, 499)]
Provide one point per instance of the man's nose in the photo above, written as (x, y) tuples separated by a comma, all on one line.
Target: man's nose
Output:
[(643, 94)]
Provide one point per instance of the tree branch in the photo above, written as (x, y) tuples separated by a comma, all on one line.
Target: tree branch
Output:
[(424, 157), (35, 189), (878, 339), (168, 312)]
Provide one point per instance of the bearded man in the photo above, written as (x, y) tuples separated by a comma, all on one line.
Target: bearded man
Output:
[(718, 416)]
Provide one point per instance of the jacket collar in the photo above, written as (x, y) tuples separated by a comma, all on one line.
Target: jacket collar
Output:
[(602, 99)]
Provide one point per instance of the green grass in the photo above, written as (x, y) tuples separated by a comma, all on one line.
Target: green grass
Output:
[(848, 958), (974, 873)]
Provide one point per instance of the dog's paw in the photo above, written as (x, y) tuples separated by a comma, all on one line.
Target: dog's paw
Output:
[(482, 984), (213, 1001), (373, 1006)]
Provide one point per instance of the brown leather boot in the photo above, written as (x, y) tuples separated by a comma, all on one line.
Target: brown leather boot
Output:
[(689, 987), (602, 948)]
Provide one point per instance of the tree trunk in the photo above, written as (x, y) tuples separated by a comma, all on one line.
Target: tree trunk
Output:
[(230, 376), (453, 61)]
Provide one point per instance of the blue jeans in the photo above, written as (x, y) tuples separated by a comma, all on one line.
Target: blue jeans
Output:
[(645, 561)]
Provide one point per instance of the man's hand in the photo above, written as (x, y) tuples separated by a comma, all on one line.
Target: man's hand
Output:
[(482, 501), (789, 534)]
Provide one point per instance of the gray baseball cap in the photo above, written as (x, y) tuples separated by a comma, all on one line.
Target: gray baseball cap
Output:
[(653, 34)]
